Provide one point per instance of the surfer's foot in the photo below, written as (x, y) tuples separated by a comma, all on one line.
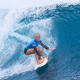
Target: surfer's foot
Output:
[(41, 61)]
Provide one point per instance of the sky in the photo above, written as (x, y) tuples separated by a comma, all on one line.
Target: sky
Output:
[(32, 3)]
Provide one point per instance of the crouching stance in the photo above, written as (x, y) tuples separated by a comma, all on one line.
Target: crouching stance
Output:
[(31, 48)]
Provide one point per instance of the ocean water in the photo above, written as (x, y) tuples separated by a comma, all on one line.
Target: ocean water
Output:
[(58, 26)]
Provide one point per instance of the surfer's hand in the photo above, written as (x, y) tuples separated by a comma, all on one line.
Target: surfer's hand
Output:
[(52, 49)]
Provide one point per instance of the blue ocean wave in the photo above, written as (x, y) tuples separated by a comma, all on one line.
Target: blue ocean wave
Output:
[(58, 27)]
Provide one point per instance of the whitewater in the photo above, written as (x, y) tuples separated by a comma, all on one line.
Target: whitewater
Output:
[(58, 24)]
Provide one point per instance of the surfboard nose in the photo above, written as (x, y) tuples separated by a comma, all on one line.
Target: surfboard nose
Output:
[(40, 65)]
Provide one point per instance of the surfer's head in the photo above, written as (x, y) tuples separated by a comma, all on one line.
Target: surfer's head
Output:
[(37, 37)]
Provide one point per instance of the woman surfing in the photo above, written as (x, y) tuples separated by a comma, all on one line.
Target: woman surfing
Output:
[(31, 48)]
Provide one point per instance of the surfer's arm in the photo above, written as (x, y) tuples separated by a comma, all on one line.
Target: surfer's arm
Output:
[(36, 51), (44, 46)]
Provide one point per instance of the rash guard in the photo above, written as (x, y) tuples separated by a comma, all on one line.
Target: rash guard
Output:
[(34, 44)]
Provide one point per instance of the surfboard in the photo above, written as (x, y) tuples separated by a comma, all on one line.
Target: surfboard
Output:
[(40, 65)]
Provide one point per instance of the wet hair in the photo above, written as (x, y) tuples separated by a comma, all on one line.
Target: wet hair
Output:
[(36, 34)]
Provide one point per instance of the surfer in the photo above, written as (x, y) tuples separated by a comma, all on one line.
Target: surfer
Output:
[(31, 48)]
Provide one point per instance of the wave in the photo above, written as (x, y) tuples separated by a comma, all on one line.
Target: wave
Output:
[(18, 28), (15, 34)]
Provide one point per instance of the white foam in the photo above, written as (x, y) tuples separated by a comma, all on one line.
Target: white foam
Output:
[(21, 37), (32, 3), (16, 69), (10, 25)]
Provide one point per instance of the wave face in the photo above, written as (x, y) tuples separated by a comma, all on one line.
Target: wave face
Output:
[(58, 26)]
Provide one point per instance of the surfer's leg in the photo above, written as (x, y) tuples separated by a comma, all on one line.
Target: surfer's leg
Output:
[(30, 51), (40, 51)]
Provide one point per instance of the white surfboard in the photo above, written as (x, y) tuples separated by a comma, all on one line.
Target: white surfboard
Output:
[(40, 65)]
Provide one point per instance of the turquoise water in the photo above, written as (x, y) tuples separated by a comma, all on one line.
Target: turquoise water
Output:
[(59, 27)]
